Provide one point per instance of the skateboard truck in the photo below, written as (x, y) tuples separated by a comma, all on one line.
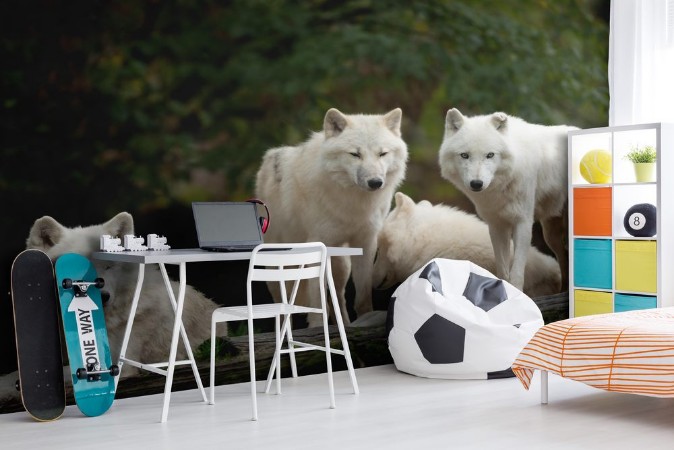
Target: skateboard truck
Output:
[(81, 287), (93, 372)]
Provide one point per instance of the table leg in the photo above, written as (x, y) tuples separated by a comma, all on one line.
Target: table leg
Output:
[(183, 333), (340, 326), (174, 343), (544, 387), (129, 322)]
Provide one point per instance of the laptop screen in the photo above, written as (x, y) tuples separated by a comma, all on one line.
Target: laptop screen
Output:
[(226, 224)]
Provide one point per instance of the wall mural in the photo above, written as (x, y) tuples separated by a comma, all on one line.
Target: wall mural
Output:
[(116, 117)]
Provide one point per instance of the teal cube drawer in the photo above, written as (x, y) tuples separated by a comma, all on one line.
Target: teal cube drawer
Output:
[(626, 302), (592, 265)]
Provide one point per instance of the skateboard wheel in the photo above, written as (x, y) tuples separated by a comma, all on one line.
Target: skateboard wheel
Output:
[(67, 283), (81, 374), (99, 283), (17, 385), (114, 370)]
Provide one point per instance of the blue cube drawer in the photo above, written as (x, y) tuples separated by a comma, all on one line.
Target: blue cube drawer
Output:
[(626, 302), (592, 263)]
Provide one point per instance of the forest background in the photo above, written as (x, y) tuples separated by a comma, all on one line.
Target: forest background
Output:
[(145, 105)]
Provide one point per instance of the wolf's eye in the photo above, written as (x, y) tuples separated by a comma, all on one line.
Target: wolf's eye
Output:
[(355, 154), (382, 154), (490, 155), (464, 155)]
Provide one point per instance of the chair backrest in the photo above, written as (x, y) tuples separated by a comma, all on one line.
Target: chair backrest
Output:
[(297, 261)]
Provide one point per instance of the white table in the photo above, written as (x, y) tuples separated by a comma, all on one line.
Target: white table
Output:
[(180, 258)]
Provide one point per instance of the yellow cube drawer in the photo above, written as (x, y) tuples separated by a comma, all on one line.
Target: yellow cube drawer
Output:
[(636, 266), (591, 302)]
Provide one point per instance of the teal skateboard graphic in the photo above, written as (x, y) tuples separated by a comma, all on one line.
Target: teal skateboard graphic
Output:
[(38, 336), (93, 373)]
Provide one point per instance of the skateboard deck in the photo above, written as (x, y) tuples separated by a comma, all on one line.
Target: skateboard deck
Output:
[(92, 371), (38, 337)]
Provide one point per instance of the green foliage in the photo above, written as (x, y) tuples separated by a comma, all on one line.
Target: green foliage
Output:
[(240, 328), (645, 154), (224, 349), (145, 103)]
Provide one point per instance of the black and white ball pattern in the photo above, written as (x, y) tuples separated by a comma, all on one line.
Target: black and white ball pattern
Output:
[(453, 319), (640, 220)]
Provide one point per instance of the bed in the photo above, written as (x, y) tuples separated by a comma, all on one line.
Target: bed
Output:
[(630, 352)]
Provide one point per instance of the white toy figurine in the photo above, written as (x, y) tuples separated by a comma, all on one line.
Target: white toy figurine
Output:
[(156, 242), (110, 244), (134, 243)]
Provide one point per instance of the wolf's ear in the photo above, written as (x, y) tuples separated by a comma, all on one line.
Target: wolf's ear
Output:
[(399, 198), (334, 123), (44, 234), (500, 121), (119, 225), (453, 121), (403, 202), (393, 119)]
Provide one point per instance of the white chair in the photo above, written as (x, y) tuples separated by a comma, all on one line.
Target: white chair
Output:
[(297, 262)]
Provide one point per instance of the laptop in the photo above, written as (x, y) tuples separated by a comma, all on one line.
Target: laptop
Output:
[(227, 226)]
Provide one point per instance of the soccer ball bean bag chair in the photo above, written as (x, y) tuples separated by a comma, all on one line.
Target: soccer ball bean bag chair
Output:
[(454, 319)]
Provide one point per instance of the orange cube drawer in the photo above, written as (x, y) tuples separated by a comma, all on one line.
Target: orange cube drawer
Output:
[(592, 211)]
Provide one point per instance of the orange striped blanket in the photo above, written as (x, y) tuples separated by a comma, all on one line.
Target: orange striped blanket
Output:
[(623, 352)]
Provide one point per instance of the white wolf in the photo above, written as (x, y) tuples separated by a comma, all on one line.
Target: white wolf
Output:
[(336, 188), (514, 172), (153, 325), (413, 234)]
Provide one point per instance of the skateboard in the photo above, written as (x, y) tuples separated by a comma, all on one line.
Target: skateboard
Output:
[(92, 371), (38, 336)]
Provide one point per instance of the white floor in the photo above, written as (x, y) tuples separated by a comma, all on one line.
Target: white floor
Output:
[(393, 411)]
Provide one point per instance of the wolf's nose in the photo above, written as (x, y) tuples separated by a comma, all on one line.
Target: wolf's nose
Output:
[(476, 185), (375, 183)]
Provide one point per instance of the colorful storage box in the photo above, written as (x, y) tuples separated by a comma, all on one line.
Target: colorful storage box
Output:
[(625, 302), (592, 266), (591, 302), (592, 211), (636, 266)]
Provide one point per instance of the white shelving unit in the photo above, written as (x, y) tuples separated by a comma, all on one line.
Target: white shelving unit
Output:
[(609, 269)]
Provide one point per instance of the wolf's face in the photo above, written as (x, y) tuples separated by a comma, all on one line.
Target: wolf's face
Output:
[(364, 150), (473, 150), (54, 239)]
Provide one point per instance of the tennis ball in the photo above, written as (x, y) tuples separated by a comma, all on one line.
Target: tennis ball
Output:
[(595, 166)]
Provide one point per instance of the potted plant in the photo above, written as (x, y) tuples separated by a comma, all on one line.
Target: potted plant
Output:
[(643, 158)]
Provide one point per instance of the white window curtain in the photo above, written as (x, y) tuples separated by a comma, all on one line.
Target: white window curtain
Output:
[(641, 62)]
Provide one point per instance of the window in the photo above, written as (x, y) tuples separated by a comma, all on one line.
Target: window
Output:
[(641, 61)]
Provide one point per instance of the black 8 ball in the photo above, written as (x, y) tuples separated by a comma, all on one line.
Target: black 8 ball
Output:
[(640, 220)]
